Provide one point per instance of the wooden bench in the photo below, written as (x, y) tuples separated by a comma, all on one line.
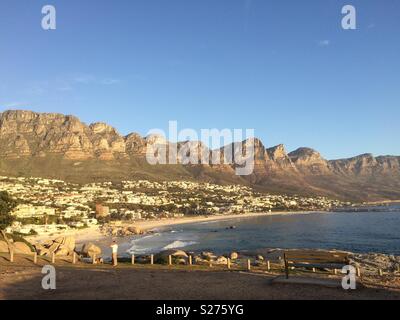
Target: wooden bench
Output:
[(314, 259)]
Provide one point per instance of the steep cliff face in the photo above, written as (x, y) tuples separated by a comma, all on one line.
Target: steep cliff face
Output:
[(26, 133), (309, 161), (26, 137), (366, 165)]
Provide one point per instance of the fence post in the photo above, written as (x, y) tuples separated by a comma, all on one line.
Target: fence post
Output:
[(11, 255), (94, 259), (358, 272), (170, 260), (286, 266), (74, 258), (35, 257), (314, 270), (335, 272), (229, 263), (152, 259), (248, 265), (133, 259), (190, 260), (53, 258), (268, 266)]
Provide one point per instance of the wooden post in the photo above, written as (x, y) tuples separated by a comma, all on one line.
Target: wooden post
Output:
[(94, 259), (268, 266), (133, 259), (229, 263), (335, 272), (35, 257), (190, 260), (358, 272), (53, 258), (74, 258), (380, 272), (152, 259), (248, 265), (314, 270), (170, 260), (11, 255), (286, 266)]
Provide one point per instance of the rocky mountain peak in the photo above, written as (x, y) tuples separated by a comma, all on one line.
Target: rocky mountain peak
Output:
[(278, 153), (101, 127), (305, 155)]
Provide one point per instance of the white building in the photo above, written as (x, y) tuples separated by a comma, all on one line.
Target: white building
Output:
[(29, 211)]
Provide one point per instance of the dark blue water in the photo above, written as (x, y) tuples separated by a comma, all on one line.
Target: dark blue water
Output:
[(357, 232)]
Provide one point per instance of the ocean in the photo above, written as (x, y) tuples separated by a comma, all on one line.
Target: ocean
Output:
[(359, 232)]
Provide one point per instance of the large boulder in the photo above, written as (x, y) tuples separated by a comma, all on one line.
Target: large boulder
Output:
[(208, 256), (222, 260), (3, 247), (135, 230), (61, 246), (234, 256), (63, 250), (69, 243), (90, 249), (163, 256), (54, 247), (21, 248), (41, 250)]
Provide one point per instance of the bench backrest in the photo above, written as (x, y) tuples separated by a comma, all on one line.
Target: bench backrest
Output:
[(315, 257)]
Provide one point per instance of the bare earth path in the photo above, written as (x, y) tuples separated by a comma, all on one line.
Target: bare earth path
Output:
[(23, 281)]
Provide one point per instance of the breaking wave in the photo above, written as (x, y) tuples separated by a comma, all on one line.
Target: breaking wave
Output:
[(179, 244)]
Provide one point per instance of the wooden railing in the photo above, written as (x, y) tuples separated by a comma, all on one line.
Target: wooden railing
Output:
[(238, 265)]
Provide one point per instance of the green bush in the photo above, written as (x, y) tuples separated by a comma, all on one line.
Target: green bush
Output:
[(7, 204)]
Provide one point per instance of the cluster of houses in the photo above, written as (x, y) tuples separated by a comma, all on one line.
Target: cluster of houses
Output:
[(46, 205)]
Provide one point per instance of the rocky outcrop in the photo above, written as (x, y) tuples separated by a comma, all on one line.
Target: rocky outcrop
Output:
[(122, 231), (177, 256), (89, 250), (3, 247), (62, 246), (21, 248), (309, 161), (367, 164)]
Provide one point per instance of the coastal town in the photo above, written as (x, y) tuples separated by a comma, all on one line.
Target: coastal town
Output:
[(47, 206)]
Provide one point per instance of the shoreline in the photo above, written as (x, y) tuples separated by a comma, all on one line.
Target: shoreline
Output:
[(155, 224), (93, 234)]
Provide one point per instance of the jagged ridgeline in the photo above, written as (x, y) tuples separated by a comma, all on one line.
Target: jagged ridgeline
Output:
[(61, 146)]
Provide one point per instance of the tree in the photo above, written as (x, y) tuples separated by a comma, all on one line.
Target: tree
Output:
[(7, 204)]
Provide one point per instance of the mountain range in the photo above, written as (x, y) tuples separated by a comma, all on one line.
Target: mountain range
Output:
[(61, 146)]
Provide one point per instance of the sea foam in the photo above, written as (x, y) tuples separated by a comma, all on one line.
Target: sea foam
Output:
[(179, 244)]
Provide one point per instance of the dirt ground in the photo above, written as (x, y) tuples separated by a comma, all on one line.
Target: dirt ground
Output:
[(22, 280)]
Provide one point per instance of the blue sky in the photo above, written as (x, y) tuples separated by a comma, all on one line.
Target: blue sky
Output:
[(285, 68)]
